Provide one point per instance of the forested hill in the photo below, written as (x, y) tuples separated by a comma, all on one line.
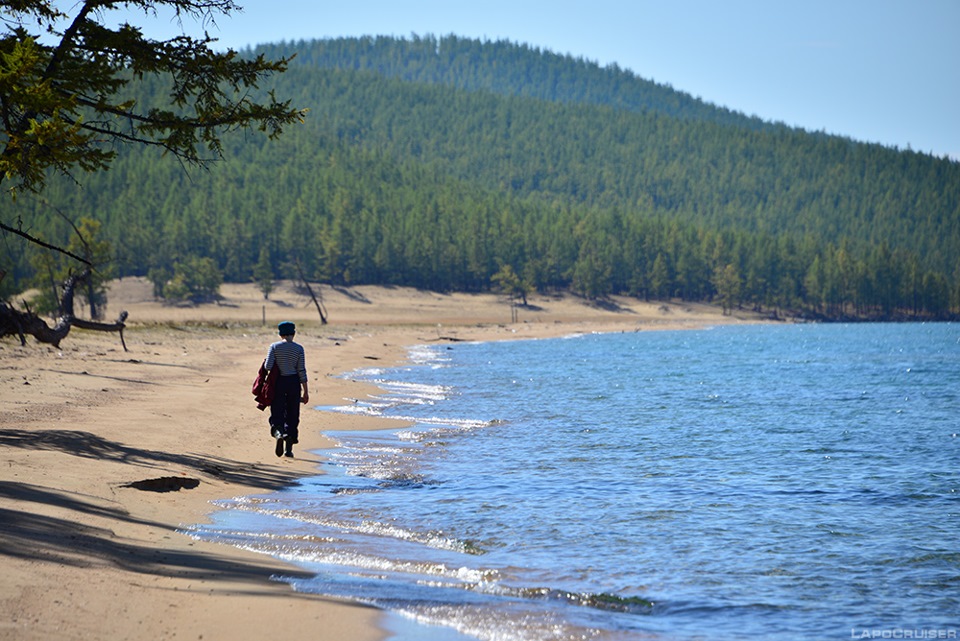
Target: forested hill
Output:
[(569, 129), (457, 164), (505, 68)]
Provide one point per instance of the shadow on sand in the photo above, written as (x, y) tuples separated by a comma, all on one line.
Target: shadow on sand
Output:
[(31, 533), (87, 445)]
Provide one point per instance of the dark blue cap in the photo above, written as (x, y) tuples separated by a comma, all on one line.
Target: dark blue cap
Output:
[(286, 328)]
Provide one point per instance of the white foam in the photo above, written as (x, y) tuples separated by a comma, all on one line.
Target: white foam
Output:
[(517, 626), (426, 355)]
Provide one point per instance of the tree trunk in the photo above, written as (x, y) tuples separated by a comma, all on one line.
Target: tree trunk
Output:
[(13, 321), (318, 303)]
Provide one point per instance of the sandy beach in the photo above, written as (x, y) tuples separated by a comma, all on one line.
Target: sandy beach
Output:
[(106, 453)]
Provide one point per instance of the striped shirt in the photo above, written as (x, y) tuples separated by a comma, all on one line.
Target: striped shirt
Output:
[(289, 358)]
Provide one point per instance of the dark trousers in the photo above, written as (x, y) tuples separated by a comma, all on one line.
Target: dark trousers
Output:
[(285, 408)]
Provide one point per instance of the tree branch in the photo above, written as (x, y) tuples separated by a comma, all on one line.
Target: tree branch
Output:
[(36, 240)]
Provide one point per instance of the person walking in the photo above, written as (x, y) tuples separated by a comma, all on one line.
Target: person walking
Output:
[(289, 358)]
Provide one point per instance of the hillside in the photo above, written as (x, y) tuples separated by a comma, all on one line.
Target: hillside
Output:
[(604, 136), (508, 69), (436, 163)]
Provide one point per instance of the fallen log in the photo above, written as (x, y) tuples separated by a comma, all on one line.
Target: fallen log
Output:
[(22, 323)]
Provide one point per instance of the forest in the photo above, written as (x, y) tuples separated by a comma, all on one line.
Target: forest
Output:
[(458, 164)]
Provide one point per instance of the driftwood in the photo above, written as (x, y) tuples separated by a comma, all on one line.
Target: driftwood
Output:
[(22, 323)]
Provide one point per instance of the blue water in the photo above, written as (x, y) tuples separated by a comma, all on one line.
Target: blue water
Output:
[(745, 482)]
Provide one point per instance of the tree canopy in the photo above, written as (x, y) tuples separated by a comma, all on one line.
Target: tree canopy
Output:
[(68, 85)]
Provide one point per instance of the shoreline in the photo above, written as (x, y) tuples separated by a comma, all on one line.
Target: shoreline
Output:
[(85, 554)]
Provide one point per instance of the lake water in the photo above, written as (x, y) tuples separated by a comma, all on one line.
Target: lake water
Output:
[(746, 482)]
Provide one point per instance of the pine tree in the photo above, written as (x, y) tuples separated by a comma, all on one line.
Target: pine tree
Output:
[(263, 273)]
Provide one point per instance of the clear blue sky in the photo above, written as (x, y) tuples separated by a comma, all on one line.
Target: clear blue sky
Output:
[(884, 71)]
